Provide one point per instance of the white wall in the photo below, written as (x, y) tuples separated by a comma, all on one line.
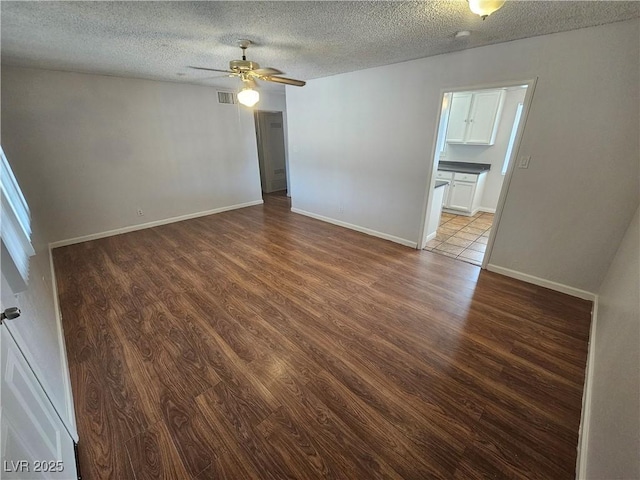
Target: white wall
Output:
[(614, 423), (361, 143), (93, 149), (491, 154)]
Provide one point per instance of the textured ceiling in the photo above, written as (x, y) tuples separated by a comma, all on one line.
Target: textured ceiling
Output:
[(158, 40)]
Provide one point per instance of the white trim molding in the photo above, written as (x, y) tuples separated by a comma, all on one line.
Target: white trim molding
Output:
[(142, 226), (585, 418), (357, 228), (486, 210), (542, 282), (70, 420), (431, 236)]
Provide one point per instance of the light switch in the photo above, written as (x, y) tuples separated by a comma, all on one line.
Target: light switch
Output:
[(523, 162)]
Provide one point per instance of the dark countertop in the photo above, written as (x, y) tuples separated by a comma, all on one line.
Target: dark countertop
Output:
[(464, 167), (441, 183)]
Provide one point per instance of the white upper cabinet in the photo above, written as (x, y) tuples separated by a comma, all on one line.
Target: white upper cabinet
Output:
[(474, 117), (458, 115)]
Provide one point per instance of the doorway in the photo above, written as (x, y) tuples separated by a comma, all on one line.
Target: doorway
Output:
[(476, 146), (271, 151)]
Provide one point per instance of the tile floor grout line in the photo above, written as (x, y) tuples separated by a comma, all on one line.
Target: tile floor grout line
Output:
[(460, 248)]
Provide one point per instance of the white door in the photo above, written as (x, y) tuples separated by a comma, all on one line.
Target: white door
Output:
[(35, 442), (461, 197), (458, 117)]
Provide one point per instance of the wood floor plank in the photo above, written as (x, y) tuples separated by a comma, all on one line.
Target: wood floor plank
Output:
[(153, 455), (332, 436), (102, 453), (186, 425), (235, 422), (319, 347), (429, 458), (261, 344), (226, 464)]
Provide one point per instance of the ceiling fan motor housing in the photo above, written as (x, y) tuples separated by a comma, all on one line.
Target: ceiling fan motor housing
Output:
[(243, 65)]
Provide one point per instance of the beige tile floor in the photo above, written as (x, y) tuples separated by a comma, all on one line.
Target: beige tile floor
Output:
[(462, 237)]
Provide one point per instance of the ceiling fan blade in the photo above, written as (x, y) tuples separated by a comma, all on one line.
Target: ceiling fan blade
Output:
[(211, 78), (212, 69), (267, 71), (286, 81)]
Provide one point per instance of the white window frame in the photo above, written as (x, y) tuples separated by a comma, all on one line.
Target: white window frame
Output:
[(15, 226), (512, 138)]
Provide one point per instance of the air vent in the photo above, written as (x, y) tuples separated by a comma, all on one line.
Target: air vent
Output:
[(226, 97)]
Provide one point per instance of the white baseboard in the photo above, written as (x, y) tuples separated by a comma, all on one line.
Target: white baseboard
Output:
[(541, 282), (357, 228), (585, 418), (456, 212), (142, 226), (71, 415), (468, 214), (431, 236)]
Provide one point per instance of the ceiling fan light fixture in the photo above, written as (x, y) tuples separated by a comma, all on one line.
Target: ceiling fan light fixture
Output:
[(248, 97), (484, 8)]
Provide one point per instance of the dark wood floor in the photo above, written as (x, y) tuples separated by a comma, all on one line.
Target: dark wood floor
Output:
[(259, 343)]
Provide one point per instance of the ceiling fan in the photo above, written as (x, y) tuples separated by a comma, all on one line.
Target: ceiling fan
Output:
[(249, 72)]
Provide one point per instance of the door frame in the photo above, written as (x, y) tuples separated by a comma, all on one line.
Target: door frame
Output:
[(431, 177), (256, 121)]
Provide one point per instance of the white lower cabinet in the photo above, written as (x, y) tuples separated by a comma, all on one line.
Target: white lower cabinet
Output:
[(464, 192), (461, 196)]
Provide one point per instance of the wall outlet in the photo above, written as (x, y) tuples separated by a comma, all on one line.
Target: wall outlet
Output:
[(140, 212), (523, 162)]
